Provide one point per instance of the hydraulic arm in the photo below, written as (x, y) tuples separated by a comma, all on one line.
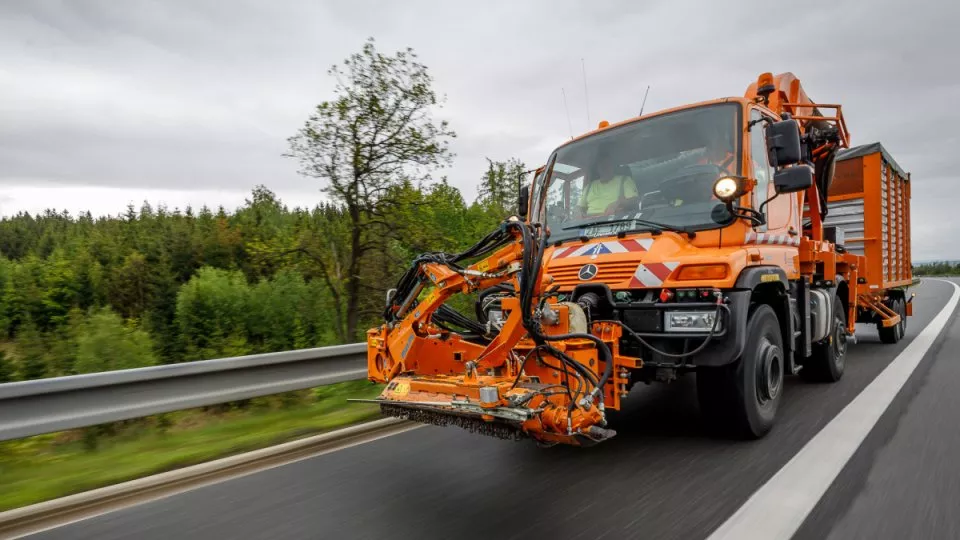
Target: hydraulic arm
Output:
[(531, 369)]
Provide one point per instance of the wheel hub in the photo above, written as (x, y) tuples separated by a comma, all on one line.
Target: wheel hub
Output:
[(839, 341), (770, 373)]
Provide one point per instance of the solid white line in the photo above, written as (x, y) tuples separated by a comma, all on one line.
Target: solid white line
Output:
[(778, 508)]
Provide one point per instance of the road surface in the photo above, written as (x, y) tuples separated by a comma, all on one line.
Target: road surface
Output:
[(661, 477)]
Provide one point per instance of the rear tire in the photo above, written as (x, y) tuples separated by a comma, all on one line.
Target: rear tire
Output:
[(829, 356), (740, 400), (893, 334)]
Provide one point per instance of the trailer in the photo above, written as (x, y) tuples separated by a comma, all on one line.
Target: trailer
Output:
[(869, 215)]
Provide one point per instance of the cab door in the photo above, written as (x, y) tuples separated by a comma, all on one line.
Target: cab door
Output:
[(781, 212)]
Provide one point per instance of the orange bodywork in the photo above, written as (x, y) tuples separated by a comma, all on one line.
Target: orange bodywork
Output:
[(512, 381)]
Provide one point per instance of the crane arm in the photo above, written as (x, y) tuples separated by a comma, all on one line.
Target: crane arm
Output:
[(823, 134)]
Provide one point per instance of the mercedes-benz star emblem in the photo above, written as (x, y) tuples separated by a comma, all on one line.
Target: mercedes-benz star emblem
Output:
[(588, 271)]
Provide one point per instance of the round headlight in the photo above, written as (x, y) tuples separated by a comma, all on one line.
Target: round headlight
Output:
[(726, 188)]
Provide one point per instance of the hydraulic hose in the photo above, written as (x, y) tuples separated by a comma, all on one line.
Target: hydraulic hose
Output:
[(529, 271)]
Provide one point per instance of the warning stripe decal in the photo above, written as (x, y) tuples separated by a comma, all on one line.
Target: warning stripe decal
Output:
[(771, 239), (601, 248), (652, 274)]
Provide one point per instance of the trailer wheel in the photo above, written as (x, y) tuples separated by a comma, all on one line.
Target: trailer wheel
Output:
[(894, 333), (740, 400), (829, 356)]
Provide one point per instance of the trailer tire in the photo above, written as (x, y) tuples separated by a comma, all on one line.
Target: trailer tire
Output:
[(829, 355), (894, 333), (740, 400)]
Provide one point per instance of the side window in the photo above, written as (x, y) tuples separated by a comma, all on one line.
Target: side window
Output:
[(762, 171), (563, 199)]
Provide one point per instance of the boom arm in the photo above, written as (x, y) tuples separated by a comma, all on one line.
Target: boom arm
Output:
[(438, 376), (410, 321), (823, 135)]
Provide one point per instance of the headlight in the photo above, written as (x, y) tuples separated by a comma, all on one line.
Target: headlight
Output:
[(691, 321), (727, 188)]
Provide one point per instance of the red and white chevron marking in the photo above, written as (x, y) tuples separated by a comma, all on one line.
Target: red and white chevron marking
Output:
[(603, 248), (771, 239), (652, 274)]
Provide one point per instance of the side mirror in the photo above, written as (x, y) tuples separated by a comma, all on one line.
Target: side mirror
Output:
[(523, 201), (783, 142), (793, 179)]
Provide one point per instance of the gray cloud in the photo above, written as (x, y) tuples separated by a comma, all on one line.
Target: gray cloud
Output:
[(201, 95)]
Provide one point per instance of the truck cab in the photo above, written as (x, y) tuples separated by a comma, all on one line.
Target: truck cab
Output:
[(679, 226), (663, 236)]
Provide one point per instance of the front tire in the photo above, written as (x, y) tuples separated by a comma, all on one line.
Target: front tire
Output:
[(829, 356), (740, 400)]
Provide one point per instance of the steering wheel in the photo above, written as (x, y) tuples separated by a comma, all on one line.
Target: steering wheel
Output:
[(691, 181)]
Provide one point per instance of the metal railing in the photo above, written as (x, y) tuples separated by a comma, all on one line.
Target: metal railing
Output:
[(47, 405)]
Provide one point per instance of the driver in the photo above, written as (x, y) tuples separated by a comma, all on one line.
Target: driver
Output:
[(715, 153), (610, 191)]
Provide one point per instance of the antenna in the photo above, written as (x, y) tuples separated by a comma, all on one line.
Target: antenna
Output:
[(642, 105), (567, 110), (586, 95)]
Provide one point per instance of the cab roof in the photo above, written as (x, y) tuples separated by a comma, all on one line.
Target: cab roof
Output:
[(657, 113)]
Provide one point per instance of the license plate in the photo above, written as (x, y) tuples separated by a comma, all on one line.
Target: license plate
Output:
[(607, 230)]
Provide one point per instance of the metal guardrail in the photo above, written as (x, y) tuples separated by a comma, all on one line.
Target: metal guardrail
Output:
[(47, 405)]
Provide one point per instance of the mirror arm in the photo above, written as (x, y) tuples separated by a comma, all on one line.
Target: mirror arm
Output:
[(762, 119), (764, 203), (742, 212)]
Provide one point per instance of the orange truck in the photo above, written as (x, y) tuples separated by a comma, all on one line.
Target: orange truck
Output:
[(739, 239)]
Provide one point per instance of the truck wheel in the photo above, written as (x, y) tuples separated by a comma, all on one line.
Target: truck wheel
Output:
[(828, 358), (894, 333), (740, 399)]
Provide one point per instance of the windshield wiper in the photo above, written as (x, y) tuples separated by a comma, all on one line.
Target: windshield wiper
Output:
[(595, 223), (659, 227)]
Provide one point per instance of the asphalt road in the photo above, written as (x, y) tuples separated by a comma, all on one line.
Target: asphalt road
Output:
[(661, 477)]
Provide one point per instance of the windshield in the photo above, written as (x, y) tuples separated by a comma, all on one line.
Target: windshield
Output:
[(658, 171)]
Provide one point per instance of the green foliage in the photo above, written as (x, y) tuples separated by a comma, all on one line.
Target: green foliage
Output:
[(212, 313), (500, 186), (106, 343), (6, 368), (942, 268), (195, 286), (31, 352)]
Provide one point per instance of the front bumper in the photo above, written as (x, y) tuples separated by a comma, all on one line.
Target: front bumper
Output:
[(646, 319)]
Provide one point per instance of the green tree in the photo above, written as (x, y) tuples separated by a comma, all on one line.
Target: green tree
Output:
[(276, 306), (130, 285), (6, 369), (31, 352), (500, 185), (212, 313), (5, 312), (106, 343), (377, 131)]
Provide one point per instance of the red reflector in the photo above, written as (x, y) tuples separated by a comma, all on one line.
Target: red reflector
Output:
[(666, 295)]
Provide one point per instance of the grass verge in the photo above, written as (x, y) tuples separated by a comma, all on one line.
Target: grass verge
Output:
[(50, 466)]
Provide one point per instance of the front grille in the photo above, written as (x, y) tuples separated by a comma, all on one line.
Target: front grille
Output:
[(611, 274)]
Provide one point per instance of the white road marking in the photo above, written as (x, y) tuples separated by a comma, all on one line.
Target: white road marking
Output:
[(778, 508)]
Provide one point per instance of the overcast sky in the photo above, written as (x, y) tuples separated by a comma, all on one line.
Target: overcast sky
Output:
[(191, 102)]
